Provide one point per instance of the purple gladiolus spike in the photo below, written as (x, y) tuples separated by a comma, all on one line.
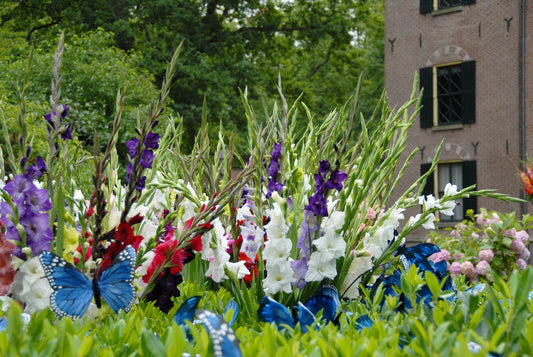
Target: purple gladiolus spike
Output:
[(36, 171), (147, 158), (299, 267), (38, 232), (309, 229), (64, 113), (324, 167), (23, 162), (67, 134), (37, 200), (317, 205), (335, 180), (273, 169), (129, 171), (132, 146), (319, 183), (40, 163), (276, 152), (18, 187), (140, 184), (152, 141)]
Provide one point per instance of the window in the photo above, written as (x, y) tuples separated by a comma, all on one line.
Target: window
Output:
[(449, 94), (444, 4), (462, 174), (433, 5)]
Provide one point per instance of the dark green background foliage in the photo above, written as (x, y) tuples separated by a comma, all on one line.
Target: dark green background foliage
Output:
[(319, 48)]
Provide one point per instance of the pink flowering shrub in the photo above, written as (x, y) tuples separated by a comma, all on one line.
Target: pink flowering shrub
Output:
[(488, 240)]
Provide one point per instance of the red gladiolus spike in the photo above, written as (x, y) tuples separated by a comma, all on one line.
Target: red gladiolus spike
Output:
[(177, 260), (196, 243), (206, 226), (238, 241), (188, 223), (135, 219), (159, 260), (89, 212)]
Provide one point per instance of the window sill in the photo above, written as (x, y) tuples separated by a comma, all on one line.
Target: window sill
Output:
[(447, 127), (446, 224), (447, 11)]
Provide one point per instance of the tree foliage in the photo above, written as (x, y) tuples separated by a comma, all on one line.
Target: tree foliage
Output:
[(318, 48)]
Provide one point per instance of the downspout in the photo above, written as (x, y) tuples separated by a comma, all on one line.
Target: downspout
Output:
[(523, 149)]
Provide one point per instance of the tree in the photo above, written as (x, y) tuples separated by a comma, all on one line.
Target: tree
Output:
[(318, 47), (93, 70)]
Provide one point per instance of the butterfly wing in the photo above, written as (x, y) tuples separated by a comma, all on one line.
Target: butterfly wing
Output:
[(418, 255), (305, 317), (225, 342), (234, 308), (362, 322), (272, 311), (327, 300), (187, 310), (72, 291), (115, 283)]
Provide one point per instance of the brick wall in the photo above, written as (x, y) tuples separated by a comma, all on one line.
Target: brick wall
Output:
[(489, 33)]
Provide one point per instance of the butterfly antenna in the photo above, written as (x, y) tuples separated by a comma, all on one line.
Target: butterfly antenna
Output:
[(353, 282)]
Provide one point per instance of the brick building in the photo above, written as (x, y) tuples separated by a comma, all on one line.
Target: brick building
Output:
[(474, 60)]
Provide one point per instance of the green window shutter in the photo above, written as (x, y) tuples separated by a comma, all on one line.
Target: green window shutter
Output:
[(426, 6), (468, 71), (469, 179), (469, 2), (426, 82), (429, 187)]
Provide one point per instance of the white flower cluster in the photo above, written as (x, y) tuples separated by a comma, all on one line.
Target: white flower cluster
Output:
[(276, 253), (214, 245), (252, 235), (30, 286), (445, 205), (374, 244), (379, 240), (329, 247)]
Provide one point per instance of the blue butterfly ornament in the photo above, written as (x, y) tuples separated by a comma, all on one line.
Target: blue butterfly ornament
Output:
[(73, 291), (225, 343), (326, 299)]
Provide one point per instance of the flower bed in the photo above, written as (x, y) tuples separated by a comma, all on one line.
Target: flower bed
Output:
[(302, 252)]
